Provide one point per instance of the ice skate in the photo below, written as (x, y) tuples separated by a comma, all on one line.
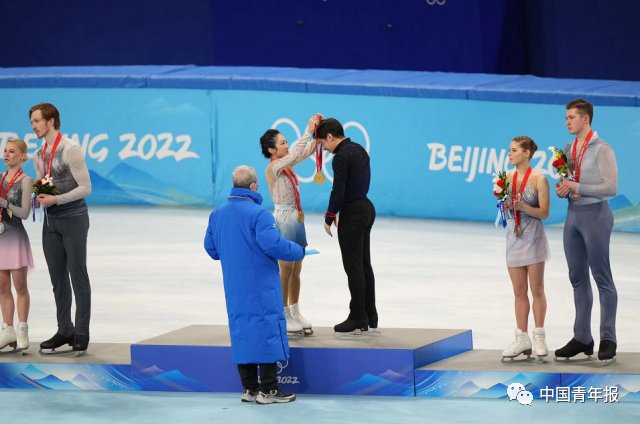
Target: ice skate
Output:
[(22, 336), (373, 326), (540, 344), (307, 328), (49, 347), (80, 344), (8, 339), (351, 327), (293, 327), (607, 352), (520, 346), (572, 349)]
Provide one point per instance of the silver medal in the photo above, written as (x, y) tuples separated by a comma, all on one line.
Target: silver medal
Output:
[(1, 228)]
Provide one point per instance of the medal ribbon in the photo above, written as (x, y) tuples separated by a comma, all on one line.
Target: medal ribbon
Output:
[(318, 151), (523, 185), (47, 171), (5, 194), (293, 179), (578, 165)]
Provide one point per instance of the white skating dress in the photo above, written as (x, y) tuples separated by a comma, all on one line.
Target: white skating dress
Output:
[(531, 246)]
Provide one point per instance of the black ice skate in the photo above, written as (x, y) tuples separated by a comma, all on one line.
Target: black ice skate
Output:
[(351, 327), (373, 326), (574, 348), (607, 352), (80, 344), (49, 347)]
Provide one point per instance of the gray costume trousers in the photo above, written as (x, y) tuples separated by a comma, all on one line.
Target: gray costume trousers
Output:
[(587, 232), (64, 241)]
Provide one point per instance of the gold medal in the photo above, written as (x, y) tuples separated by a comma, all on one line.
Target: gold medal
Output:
[(300, 216), (318, 178)]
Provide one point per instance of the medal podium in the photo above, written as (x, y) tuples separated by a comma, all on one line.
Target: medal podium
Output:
[(434, 363)]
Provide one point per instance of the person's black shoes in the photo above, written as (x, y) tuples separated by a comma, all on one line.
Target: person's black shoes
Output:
[(56, 341), (607, 350), (80, 344), (351, 326), (573, 348)]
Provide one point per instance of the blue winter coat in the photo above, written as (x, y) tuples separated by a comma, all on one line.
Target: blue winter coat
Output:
[(244, 237)]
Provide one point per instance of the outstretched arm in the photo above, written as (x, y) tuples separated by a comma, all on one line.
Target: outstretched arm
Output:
[(272, 243)]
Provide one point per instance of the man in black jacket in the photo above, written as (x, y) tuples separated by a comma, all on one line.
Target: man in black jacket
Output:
[(351, 179)]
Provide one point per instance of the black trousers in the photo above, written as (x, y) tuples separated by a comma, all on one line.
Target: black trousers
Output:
[(354, 233), (268, 377), (64, 241)]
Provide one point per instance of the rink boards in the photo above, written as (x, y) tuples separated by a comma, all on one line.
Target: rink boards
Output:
[(395, 362)]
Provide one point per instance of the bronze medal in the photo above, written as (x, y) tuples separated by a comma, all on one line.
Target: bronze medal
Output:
[(319, 178), (300, 216)]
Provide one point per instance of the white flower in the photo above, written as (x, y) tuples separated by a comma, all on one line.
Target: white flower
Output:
[(497, 189)]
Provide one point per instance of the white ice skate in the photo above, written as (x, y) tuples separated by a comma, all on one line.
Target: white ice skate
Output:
[(293, 328), (521, 345), (307, 328), (8, 339), (22, 336), (540, 343)]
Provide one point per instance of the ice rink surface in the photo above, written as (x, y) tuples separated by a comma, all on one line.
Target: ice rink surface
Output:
[(150, 275)]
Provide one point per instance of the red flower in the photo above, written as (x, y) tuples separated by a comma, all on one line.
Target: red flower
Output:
[(558, 162), (500, 183), (39, 182), (496, 193)]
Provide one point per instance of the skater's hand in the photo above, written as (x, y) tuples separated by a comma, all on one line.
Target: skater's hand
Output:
[(518, 205), (327, 229), (576, 196), (571, 185), (561, 190), (47, 200), (313, 122)]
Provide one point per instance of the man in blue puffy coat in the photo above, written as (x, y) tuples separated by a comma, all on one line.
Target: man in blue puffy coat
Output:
[(244, 237)]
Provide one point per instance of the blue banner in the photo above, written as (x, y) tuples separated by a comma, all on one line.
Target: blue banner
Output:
[(143, 146), (430, 158)]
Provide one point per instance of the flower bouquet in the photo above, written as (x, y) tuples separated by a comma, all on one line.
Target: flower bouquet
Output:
[(560, 164), (45, 186), (501, 192)]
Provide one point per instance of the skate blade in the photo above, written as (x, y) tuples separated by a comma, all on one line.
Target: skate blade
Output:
[(515, 359), (295, 334), (54, 352), (607, 362), (572, 360), (79, 353), (13, 350), (356, 334), (308, 332)]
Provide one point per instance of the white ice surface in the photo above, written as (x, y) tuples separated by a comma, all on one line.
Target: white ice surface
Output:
[(150, 275)]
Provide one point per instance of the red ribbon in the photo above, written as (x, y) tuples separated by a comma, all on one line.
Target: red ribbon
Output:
[(578, 165), (514, 191), (293, 179), (47, 171), (318, 151), (5, 194)]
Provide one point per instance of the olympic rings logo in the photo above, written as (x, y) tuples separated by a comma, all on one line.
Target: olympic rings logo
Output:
[(436, 2), (281, 367), (326, 156)]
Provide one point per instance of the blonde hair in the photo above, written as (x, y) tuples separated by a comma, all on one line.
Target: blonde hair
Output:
[(22, 146)]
